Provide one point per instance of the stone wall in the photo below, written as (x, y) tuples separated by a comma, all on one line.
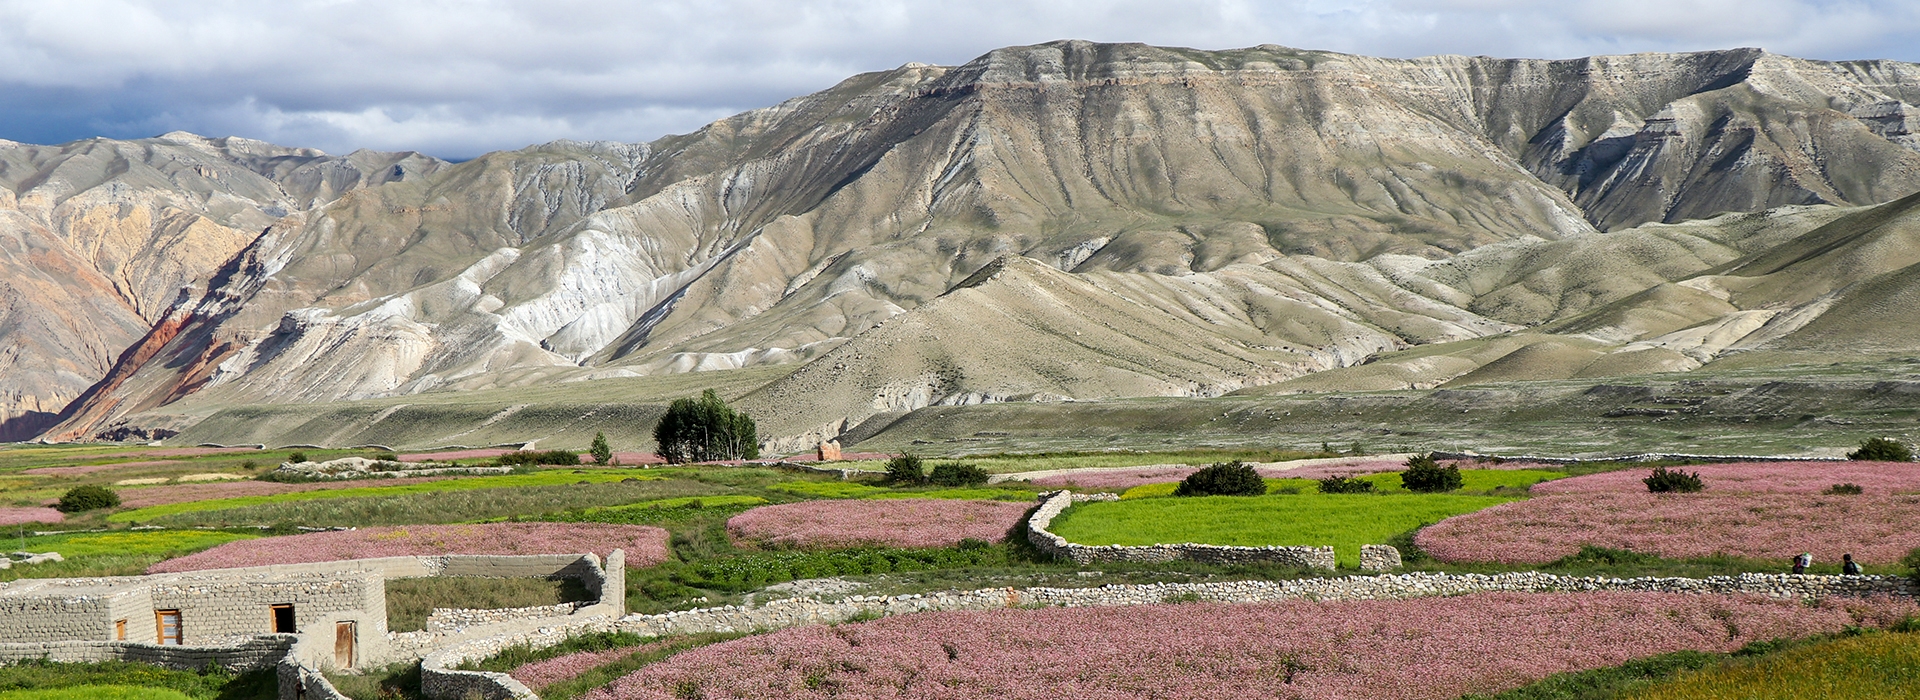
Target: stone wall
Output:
[(1054, 503), (1379, 557), (301, 682), (219, 608), (259, 652)]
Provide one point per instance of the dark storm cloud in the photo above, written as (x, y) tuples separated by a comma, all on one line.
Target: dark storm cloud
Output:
[(459, 77)]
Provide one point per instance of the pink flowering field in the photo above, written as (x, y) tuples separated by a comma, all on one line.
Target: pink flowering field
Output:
[(891, 523), (23, 516), (644, 545), (1876, 529), (540, 674), (1427, 648), (92, 468), (1767, 477)]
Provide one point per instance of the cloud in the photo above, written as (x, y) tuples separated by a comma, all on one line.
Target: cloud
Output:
[(460, 77)]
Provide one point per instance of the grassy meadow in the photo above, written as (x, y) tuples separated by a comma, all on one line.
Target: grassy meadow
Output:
[(1345, 521)]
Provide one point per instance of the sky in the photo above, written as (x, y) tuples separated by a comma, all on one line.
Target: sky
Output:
[(457, 78)]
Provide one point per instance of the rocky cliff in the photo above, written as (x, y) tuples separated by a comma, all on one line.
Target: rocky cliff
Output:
[(1068, 220), (100, 238)]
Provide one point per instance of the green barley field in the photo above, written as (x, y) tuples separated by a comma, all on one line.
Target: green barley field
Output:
[(1345, 521)]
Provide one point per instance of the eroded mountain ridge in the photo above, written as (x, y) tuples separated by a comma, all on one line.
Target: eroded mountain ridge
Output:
[(1062, 221)]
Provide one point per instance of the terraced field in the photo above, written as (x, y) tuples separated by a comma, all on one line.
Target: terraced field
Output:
[(748, 534)]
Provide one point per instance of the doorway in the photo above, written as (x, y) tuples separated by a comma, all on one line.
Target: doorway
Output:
[(343, 638)]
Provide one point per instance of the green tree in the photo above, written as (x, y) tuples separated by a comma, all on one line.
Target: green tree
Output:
[(1233, 478), (1881, 450), (602, 453), (1424, 475), (906, 470), (89, 497), (705, 429)]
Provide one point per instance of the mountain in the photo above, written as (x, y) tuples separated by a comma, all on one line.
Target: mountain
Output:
[(1083, 221), (102, 238)]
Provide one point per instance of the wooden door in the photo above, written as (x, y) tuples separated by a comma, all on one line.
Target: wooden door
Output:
[(167, 622), (343, 645), (120, 630)]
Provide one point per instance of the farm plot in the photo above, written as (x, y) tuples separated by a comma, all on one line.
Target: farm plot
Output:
[(886, 523), (1473, 481), (1758, 477), (644, 545), (395, 487), (1397, 650), (1875, 529), (1344, 521), (1879, 666)]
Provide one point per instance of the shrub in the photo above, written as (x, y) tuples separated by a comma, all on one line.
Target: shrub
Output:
[(89, 497), (1673, 481), (1843, 490), (601, 451), (906, 470), (1345, 484), (1881, 450), (1424, 475), (705, 429), (297, 457), (565, 457), (1912, 562), (951, 474), (1233, 478), (386, 457)]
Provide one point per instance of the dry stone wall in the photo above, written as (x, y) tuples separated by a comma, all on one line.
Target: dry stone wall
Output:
[(259, 652), (1054, 503)]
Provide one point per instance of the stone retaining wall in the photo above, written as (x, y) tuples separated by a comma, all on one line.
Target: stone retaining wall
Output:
[(1054, 503), (300, 682), (259, 652)]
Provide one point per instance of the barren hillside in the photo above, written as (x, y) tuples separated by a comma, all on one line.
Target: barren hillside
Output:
[(1083, 221)]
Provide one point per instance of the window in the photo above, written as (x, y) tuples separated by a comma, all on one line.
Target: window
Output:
[(168, 622), (283, 619), (120, 630)]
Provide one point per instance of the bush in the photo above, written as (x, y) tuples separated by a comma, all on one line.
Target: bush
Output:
[(386, 457), (951, 474), (601, 451), (705, 429), (1912, 562), (563, 457), (1233, 478), (1881, 450), (906, 470), (297, 457), (89, 497), (1345, 484), (1673, 481), (1843, 490), (1424, 475)]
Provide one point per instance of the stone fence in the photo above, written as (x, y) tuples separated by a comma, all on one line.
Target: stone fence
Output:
[(1054, 503), (256, 653), (301, 682)]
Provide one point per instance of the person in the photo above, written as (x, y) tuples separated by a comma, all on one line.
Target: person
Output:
[(1800, 563), (1849, 567)]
